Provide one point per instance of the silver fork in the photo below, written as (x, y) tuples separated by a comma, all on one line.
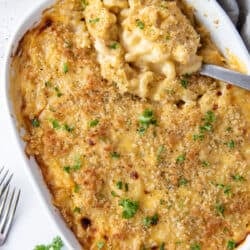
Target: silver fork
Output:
[(8, 204)]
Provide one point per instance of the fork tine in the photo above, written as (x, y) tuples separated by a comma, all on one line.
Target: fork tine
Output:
[(5, 185), (6, 212), (2, 180), (4, 200), (11, 214), (1, 169)]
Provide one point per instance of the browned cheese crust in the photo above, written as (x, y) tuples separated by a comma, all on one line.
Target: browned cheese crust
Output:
[(128, 172)]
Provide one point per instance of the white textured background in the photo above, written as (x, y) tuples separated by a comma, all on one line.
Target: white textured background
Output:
[(31, 225)]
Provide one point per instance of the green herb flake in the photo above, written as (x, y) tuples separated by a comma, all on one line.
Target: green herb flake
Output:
[(231, 244), (35, 123), (55, 124), (229, 129), (84, 3), (231, 144), (227, 190), (220, 209), (205, 163), (181, 158), (182, 182), (114, 45), (145, 120), (68, 128), (78, 164), (94, 20), (58, 92), (76, 188), (130, 208), (67, 169), (184, 83), (77, 210), (126, 187), (100, 245), (140, 24), (48, 84), (150, 220), (115, 155), (93, 123), (65, 68), (198, 137), (119, 184), (195, 246), (162, 246), (238, 178), (114, 194), (56, 244)]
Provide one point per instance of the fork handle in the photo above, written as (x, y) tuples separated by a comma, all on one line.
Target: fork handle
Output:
[(223, 74)]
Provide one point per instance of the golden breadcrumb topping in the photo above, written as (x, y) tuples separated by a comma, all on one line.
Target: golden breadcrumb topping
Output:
[(128, 172)]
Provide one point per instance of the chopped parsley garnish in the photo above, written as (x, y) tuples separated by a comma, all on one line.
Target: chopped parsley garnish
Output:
[(198, 137), (207, 126), (65, 68), (114, 45), (100, 245), (182, 181), (77, 210), (231, 244), (220, 209), (150, 220), (205, 163), (126, 187), (67, 169), (35, 123), (76, 188), (114, 194), (115, 155), (229, 129), (56, 244), (184, 83), (48, 84), (238, 177), (140, 24), (167, 37), (78, 164), (162, 246), (58, 92), (68, 128), (181, 158), (93, 123), (210, 117), (231, 144), (55, 124), (195, 246), (84, 3), (94, 20), (146, 119), (119, 184), (184, 80), (227, 189), (130, 208)]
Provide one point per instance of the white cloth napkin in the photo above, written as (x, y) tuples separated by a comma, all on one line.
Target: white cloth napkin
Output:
[(239, 12)]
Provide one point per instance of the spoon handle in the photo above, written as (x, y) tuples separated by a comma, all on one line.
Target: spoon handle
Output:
[(226, 75)]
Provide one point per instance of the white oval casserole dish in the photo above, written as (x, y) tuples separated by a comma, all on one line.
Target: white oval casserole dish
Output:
[(208, 12)]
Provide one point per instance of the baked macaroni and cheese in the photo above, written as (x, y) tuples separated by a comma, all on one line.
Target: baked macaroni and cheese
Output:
[(138, 150)]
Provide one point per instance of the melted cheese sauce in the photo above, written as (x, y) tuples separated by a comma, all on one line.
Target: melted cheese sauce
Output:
[(125, 172)]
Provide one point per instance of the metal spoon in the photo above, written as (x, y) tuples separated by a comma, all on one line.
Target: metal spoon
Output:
[(226, 75)]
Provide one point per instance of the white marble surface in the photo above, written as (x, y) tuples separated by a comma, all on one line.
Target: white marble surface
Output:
[(31, 225)]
